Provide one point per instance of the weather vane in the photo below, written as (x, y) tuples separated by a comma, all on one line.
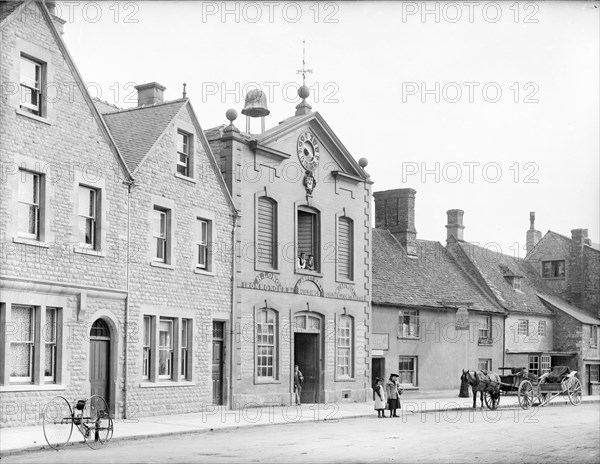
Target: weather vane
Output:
[(303, 71)]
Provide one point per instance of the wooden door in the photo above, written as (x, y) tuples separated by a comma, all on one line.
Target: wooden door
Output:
[(306, 356), (217, 363), (99, 368), (377, 370)]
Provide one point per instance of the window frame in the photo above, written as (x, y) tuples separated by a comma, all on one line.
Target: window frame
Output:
[(415, 361), (40, 110), (202, 243), (594, 336), (187, 165), (533, 360), (542, 328), (259, 366), (147, 344), (50, 341), (488, 364), (555, 266), (169, 348), (484, 331), (30, 343), (523, 327), (315, 238), (344, 344), (260, 265), (545, 364), (407, 334), (96, 218), (184, 347), (38, 186)]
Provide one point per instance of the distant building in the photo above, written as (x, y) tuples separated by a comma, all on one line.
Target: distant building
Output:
[(430, 319), (303, 265)]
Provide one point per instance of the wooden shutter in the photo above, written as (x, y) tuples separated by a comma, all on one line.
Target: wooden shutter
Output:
[(265, 234), (344, 248), (305, 233)]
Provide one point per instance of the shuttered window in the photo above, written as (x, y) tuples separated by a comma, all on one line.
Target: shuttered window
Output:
[(344, 248), (306, 232), (266, 251)]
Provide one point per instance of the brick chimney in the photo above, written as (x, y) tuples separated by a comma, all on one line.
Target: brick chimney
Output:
[(533, 236), (576, 274), (150, 94), (455, 226), (395, 211)]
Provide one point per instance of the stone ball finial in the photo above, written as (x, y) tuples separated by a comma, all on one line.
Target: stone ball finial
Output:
[(231, 115), (303, 92), (363, 162)]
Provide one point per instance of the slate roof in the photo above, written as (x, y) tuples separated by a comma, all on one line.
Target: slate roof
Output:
[(495, 267), (104, 107), (136, 130), (562, 305), (431, 278), (7, 7)]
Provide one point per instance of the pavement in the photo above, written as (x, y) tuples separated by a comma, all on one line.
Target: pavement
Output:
[(15, 440)]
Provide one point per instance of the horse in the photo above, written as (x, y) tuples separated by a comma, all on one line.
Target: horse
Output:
[(483, 381)]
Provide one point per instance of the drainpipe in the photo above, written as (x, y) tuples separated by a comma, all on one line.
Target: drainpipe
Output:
[(129, 185), (236, 216)]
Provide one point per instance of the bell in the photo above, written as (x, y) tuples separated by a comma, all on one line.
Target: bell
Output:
[(255, 105)]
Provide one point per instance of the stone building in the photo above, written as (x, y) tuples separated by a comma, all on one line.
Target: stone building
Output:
[(63, 226), (181, 225), (302, 269), (430, 320)]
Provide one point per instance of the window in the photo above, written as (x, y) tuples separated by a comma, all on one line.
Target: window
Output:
[(184, 151), (516, 282), (594, 372), (202, 243), (344, 248), (160, 232), (147, 347), (545, 363), (265, 343), (22, 345), (523, 327), (50, 331), (594, 336), (534, 362), (266, 235), (308, 236), (165, 349), (31, 86), (184, 347), (485, 329), (484, 364), (344, 346), (541, 328), (88, 215), (409, 323), (29, 205), (553, 269), (407, 370)]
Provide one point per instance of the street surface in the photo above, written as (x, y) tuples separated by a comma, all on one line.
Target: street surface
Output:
[(549, 435)]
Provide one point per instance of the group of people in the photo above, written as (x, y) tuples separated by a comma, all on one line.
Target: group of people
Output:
[(306, 263), (387, 396)]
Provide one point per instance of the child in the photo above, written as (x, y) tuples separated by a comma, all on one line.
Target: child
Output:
[(380, 401)]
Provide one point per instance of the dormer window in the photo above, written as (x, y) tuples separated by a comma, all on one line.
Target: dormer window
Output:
[(513, 279), (516, 282)]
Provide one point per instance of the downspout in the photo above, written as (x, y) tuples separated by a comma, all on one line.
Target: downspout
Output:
[(129, 184), (504, 340), (232, 347)]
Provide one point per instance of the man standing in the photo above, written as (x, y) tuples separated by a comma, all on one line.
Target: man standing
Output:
[(393, 391), (298, 380)]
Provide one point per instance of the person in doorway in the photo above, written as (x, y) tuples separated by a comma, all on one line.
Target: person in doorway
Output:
[(298, 381), (393, 391), (380, 402)]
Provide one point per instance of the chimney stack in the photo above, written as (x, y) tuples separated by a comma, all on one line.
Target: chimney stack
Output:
[(395, 211), (454, 225), (150, 94), (533, 236), (576, 273), (58, 22)]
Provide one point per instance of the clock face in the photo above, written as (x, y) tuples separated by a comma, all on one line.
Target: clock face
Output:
[(308, 151)]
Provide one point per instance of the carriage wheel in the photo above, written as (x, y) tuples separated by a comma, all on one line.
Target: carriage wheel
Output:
[(97, 425), (574, 392), (58, 422), (491, 398), (525, 394)]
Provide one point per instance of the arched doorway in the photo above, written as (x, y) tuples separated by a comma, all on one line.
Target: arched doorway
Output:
[(307, 354), (100, 359)]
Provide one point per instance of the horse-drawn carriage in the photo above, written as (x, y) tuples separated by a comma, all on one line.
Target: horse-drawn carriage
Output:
[(528, 387)]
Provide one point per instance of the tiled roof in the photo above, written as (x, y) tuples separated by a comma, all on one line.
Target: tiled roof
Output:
[(495, 267), (104, 106), (136, 130), (427, 280), (558, 304), (7, 7)]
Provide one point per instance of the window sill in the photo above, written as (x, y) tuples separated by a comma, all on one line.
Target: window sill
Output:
[(201, 271), (345, 379), (35, 117), (30, 241), (259, 268), (189, 179), (400, 337), (344, 281), (553, 278), (485, 342), (31, 387), (308, 273), (88, 251), (167, 383), (161, 265), (267, 381)]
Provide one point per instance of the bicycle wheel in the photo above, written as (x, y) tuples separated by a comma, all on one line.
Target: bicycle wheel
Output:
[(96, 423), (58, 422)]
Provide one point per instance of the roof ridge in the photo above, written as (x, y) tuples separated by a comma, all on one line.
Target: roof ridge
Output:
[(145, 107)]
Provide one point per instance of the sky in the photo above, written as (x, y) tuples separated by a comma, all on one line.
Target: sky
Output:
[(488, 107)]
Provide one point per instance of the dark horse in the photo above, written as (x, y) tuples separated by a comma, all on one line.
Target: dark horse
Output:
[(483, 382)]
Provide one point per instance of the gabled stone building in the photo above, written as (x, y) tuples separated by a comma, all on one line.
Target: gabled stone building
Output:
[(302, 269)]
